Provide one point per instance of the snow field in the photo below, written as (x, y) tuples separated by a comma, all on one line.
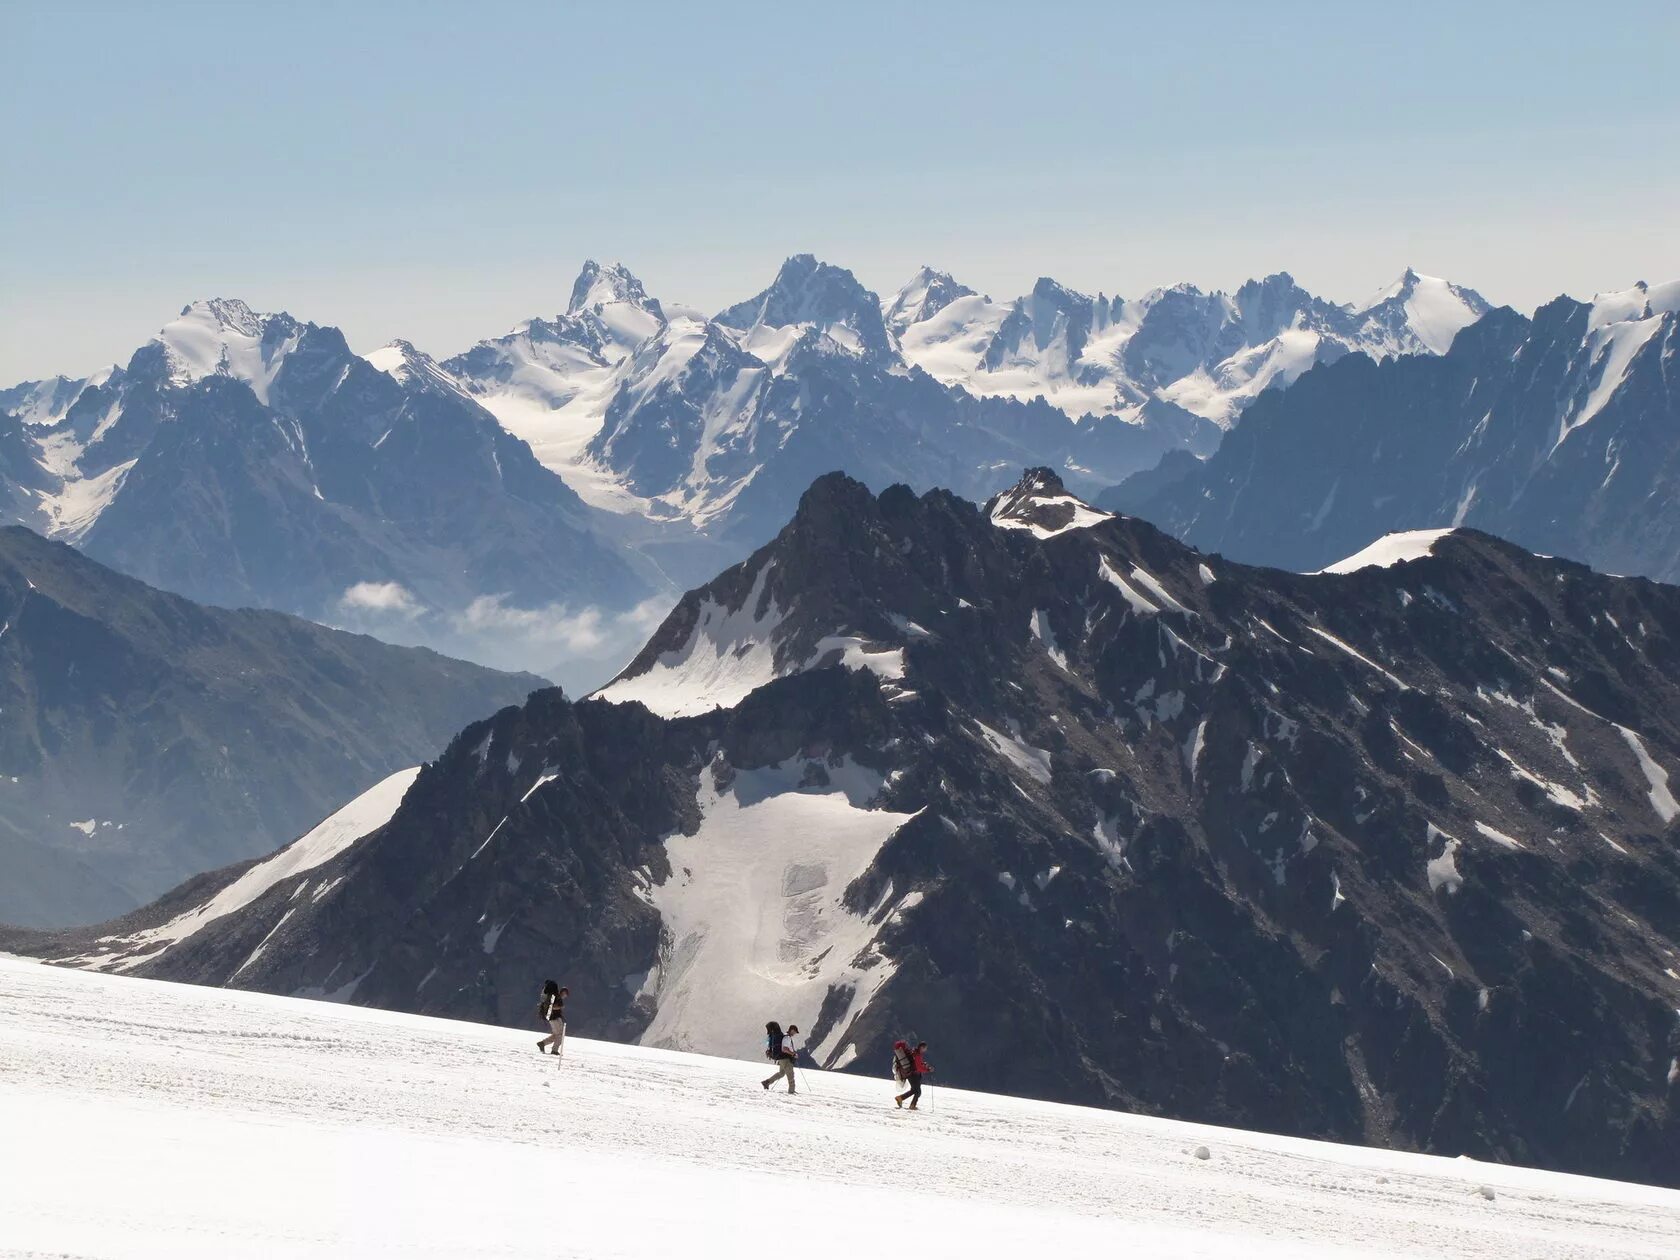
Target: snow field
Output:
[(1390, 549), (729, 654), (754, 911), (147, 1119)]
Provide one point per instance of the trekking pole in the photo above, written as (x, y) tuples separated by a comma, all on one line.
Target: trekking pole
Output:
[(803, 1078)]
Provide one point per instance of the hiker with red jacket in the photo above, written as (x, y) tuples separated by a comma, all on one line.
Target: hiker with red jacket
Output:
[(917, 1068)]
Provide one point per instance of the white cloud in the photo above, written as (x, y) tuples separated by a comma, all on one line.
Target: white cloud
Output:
[(556, 627), (380, 597)]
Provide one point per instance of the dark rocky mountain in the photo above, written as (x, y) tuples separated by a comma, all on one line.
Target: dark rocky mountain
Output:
[(1561, 433), (147, 738), (1386, 856), (246, 459)]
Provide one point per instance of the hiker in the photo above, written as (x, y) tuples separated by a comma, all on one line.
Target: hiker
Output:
[(778, 1047), (918, 1069), (553, 1010)]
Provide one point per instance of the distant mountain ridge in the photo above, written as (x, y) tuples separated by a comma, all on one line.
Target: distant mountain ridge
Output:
[(147, 738), (1560, 432), (641, 444), (722, 422), (246, 459)]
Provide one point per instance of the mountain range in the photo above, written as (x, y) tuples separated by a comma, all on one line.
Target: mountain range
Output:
[(147, 738), (1384, 854), (538, 500), (245, 459), (1560, 432)]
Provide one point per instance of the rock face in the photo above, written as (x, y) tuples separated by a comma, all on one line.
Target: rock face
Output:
[(1561, 433), (147, 738), (1386, 856)]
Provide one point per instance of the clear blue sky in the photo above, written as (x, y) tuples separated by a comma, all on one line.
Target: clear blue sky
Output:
[(439, 171)]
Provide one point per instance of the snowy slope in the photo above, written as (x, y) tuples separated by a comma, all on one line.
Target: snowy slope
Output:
[(325, 841), (1417, 312), (225, 337), (1390, 549), (756, 912), (258, 1125)]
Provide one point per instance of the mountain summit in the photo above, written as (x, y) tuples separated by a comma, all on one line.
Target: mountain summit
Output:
[(807, 293), (598, 286)]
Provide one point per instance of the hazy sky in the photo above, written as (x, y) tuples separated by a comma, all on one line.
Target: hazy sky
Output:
[(439, 171)]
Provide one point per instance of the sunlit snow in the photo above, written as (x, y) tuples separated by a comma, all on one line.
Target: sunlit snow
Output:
[(1390, 549), (753, 908), (295, 1130)]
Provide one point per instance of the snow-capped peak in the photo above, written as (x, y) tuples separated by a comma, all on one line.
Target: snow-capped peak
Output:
[(227, 313), (1418, 312), (225, 337), (1640, 302), (923, 296), (1402, 287), (1041, 504), (809, 293), (598, 286), (407, 365), (47, 401), (610, 312), (1058, 294)]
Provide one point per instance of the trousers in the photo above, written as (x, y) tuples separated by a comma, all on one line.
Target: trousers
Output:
[(556, 1036)]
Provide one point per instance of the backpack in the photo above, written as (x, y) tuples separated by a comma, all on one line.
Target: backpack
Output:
[(902, 1063), (772, 1041)]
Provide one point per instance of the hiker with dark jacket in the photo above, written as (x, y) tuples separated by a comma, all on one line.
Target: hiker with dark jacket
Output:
[(918, 1069), (553, 1011), (779, 1047)]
